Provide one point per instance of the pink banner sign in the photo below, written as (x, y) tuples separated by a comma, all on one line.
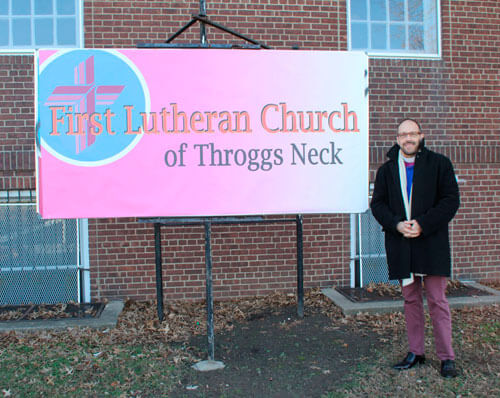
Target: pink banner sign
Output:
[(150, 133)]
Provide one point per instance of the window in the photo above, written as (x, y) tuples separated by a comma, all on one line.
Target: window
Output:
[(29, 24), (394, 27)]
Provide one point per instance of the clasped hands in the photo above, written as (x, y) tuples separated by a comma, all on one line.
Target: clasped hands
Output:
[(409, 229)]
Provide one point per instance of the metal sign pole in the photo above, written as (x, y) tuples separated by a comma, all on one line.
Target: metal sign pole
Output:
[(300, 267), (208, 287), (159, 278), (203, 13), (209, 364)]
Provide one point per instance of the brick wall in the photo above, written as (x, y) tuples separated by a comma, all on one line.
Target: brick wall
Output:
[(247, 259), (457, 98), (277, 23), (16, 122), (476, 228)]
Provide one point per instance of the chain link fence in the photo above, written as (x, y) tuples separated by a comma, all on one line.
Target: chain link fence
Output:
[(39, 259), (372, 258)]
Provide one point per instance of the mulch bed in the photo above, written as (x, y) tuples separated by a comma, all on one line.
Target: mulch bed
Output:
[(50, 311), (388, 292), (372, 292)]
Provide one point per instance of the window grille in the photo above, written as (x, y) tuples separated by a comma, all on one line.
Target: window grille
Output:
[(30, 24), (18, 196), (394, 27)]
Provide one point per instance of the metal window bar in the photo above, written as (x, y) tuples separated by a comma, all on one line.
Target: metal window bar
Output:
[(18, 196)]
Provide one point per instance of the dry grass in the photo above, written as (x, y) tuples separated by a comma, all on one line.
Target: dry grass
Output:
[(142, 357)]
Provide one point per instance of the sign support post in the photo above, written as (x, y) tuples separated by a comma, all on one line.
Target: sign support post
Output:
[(159, 277), (208, 287), (300, 268), (211, 364)]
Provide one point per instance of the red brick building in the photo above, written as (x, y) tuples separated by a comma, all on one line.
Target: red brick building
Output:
[(435, 60)]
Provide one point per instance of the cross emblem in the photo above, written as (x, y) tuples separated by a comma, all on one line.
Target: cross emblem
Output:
[(83, 97)]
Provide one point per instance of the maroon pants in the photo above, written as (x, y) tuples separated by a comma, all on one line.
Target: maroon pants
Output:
[(435, 287)]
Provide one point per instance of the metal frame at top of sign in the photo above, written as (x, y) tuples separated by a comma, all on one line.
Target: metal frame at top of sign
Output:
[(204, 20), (208, 221)]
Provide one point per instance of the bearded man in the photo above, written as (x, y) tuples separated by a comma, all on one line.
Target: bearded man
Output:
[(415, 197)]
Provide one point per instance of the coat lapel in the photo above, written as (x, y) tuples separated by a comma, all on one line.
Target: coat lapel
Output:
[(397, 185)]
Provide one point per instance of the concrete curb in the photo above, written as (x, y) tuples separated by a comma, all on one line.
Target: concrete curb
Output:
[(108, 319), (350, 308)]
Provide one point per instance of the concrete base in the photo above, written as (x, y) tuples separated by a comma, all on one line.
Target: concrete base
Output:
[(351, 308), (208, 365), (108, 319)]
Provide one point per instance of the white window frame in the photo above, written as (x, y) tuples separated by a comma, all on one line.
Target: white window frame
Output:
[(399, 54), (30, 50)]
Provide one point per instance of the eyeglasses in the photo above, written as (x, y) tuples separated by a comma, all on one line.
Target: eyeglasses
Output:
[(412, 134)]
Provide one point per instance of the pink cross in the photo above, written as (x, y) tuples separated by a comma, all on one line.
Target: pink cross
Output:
[(84, 96)]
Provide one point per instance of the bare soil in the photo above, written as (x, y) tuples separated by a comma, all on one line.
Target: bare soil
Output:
[(277, 354)]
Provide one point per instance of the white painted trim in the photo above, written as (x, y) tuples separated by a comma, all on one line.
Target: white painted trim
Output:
[(37, 152), (354, 240), (17, 51), (438, 27), (84, 258), (82, 20), (360, 235)]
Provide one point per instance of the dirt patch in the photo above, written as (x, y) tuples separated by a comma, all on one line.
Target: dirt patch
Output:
[(388, 292), (50, 311), (279, 355)]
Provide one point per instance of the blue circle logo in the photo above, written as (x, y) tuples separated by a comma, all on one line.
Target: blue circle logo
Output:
[(85, 103)]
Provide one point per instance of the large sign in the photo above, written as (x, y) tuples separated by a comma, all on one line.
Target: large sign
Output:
[(148, 133)]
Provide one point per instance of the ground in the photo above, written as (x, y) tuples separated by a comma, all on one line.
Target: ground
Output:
[(278, 354), (268, 352)]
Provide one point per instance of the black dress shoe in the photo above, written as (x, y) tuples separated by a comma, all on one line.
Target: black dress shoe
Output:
[(410, 361), (448, 369)]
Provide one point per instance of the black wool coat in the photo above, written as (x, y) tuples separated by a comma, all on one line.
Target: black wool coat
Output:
[(435, 200)]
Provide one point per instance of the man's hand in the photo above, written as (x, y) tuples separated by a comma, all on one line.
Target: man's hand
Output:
[(409, 229)]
